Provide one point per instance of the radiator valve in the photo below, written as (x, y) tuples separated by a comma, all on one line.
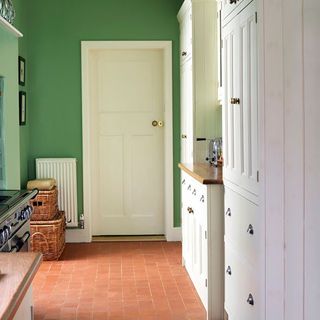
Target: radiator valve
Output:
[(81, 221)]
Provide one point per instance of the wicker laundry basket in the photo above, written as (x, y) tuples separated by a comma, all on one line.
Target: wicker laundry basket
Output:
[(48, 237), (45, 205)]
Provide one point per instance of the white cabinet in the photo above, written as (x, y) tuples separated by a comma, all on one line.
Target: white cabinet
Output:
[(243, 236), (202, 241), (200, 111), (25, 310), (240, 103)]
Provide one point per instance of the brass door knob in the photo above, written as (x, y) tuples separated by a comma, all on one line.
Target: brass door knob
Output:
[(159, 123)]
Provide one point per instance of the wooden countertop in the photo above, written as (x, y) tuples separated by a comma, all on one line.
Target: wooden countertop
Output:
[(17, 271), (203, 172)]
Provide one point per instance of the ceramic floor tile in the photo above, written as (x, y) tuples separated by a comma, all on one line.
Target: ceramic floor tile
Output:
[(125, 281)]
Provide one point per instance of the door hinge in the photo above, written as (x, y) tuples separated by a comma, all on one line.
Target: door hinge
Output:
[(206, 282), (258, 176), (256, 16)]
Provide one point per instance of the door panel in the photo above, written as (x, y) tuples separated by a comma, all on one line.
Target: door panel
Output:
[(240, 120), (127, 95)]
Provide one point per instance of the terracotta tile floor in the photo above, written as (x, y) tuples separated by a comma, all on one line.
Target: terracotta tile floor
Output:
[(119, 280)]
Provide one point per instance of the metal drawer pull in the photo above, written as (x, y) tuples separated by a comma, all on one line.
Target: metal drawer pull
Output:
[(194, 192), (250, 300), (183, 181), (250, 229), (228, 212), (228, 271), (202, 199), (190, 210)]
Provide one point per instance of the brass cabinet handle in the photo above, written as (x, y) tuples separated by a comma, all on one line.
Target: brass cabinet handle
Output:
[(190, 210), (235, 101)]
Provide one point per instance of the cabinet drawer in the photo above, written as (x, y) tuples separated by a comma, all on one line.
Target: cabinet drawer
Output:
[(242, 300), (241, 225)]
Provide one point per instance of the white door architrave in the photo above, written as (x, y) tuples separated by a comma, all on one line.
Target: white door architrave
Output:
[(171, 233)]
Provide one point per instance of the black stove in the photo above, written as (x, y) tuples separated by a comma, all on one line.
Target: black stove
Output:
[(15, 213)]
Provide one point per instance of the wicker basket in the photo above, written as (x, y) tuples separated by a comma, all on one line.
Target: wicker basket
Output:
[(48, 237), (45, 205)]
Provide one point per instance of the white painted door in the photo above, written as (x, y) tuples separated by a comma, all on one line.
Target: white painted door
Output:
[(240, 116), (127, 95)]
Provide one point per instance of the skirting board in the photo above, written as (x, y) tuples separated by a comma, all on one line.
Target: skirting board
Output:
[(81, 235)]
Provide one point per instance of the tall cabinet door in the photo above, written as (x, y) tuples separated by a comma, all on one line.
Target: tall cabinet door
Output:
[(240, 103), (230, 115), (186, 113), (248, 94)]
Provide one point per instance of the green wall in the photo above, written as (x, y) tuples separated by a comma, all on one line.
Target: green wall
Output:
[(20, 23), (9, 71), (54, 32)]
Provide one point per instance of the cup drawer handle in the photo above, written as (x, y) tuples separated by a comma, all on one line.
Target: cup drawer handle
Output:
[(250, 229), (250, 300), (228, 271)]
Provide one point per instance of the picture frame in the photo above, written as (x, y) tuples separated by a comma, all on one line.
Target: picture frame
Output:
[(22, 108), (21, 71)]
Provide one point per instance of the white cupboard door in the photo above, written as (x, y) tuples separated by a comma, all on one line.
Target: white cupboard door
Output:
[(248, 94), (186, 36), (186, 113), (126, 92), (240, 104), (230, 114)]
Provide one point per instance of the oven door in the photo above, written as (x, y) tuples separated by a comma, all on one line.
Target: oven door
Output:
[(20, 240)]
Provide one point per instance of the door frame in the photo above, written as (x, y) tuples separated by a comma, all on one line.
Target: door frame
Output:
[(166, 47)]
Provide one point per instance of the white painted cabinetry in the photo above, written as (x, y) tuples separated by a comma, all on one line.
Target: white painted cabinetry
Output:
[(243, 277), (25, 310), (202, 241), (200, 112), (240, 106)]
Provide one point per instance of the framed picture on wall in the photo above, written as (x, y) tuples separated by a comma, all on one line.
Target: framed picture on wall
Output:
[(22, 108), (22, 71)]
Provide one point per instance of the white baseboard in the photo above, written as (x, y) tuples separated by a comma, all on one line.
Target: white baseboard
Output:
[(174, 234), (81, 235)]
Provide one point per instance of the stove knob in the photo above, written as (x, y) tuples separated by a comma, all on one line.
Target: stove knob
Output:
[(7, 231), (3, 236), (21, 215), (30, 210), (2, 240)]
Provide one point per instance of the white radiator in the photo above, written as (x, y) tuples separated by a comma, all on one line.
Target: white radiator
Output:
[(64, 170)]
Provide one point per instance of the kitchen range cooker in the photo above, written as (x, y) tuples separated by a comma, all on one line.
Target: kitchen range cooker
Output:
[(15, 213)]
